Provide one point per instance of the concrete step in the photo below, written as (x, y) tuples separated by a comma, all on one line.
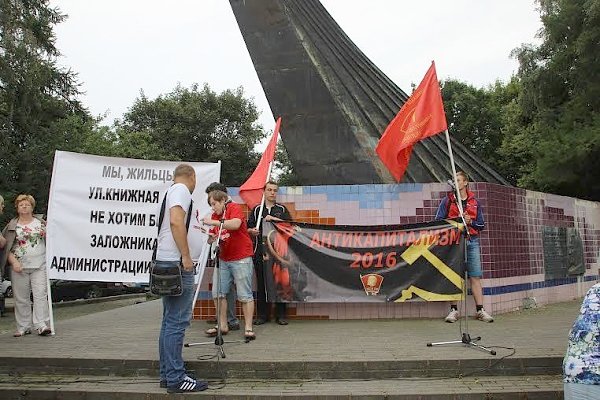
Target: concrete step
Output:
[(367, 369), (82, 387)]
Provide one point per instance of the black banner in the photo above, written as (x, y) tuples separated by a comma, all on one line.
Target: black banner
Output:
[(343, 263)]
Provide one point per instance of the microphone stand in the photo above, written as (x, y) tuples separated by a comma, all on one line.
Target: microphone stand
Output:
[(219, 342)]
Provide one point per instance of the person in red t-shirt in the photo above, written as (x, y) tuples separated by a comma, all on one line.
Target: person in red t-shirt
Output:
[(235, 260)]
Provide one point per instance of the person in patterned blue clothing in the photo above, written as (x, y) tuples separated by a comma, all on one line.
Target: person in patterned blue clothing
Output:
[(581, 365)]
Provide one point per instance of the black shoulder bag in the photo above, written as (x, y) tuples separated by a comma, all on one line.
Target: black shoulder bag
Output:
[(167, 281)]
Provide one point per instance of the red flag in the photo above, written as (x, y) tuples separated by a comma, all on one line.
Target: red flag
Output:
[(420, 117), (252, 190)]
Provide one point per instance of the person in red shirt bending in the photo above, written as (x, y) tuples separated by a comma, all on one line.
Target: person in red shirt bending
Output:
[(235, 260)]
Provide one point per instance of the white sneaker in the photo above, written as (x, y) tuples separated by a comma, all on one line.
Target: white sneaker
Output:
[(188, 385), (482, 315), (452, 316)]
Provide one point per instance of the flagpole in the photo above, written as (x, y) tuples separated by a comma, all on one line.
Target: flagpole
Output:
[(455, 180), (262, 202)]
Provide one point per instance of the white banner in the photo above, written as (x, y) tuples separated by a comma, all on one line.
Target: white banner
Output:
[(103, 215)]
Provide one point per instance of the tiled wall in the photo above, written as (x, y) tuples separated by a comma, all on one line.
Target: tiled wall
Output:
[(512, 247)]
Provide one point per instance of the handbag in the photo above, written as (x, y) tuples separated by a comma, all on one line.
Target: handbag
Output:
[(167, 281)]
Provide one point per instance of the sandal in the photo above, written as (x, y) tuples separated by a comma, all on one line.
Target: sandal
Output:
[(212, 332), (45, 331), (249, 335), (19, 333)]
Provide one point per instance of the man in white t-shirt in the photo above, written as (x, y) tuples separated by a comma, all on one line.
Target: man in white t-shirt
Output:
[(173, 249)]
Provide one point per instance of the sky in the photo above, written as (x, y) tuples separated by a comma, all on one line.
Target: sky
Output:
[(119, 47)]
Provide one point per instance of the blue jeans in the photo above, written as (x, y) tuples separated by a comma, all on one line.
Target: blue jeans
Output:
[(177, 313), (474, 258)]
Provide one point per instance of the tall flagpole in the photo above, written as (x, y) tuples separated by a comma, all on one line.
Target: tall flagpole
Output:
[(262, 201), (455, 180), (465, 336)]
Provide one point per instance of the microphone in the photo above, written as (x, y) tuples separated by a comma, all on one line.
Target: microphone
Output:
[(225, 209), (451, 183)]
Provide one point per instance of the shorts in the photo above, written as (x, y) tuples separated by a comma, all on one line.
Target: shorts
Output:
[(239, 272), (474, 258)]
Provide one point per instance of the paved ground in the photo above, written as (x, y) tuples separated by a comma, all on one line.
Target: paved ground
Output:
[(131, 333), (112, 355), (72, 309)]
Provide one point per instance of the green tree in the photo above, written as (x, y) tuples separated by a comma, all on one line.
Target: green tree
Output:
[(196, 125), (126, 144), (39, 111), (475, 117), (560, 101)]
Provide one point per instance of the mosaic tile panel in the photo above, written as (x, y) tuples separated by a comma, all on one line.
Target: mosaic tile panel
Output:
[(512, 247)]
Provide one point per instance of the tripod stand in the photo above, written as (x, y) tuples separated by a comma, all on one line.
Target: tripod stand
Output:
[(218, 342), (466, 338)]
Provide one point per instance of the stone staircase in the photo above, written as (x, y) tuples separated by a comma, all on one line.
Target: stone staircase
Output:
[(83, 379)]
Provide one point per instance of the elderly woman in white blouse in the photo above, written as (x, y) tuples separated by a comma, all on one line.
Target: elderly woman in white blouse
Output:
[(25, 252)]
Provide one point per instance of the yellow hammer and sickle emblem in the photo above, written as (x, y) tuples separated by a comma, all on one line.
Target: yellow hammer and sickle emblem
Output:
[(421, 249)]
